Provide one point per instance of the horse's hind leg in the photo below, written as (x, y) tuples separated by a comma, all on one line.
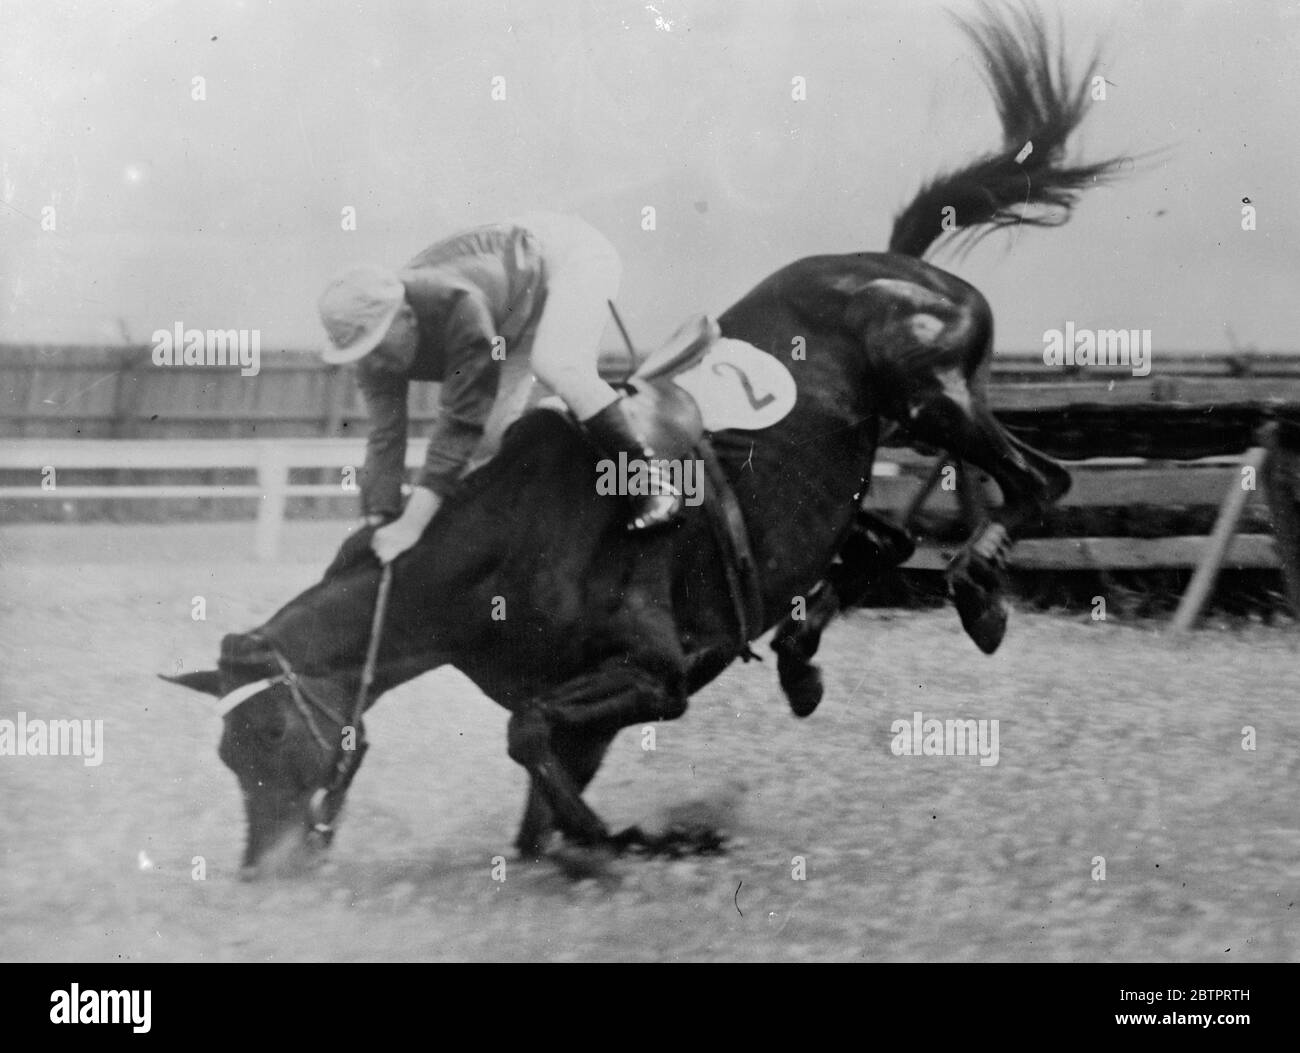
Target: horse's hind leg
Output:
[(873, 546), (934, 352), (1030, 483)]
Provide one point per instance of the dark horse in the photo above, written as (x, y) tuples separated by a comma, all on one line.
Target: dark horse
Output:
[(527, 582)]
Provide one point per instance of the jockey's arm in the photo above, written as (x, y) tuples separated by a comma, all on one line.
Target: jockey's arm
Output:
[(469, 391), (385, 467)]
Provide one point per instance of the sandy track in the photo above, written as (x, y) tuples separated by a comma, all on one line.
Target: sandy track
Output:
[(1114, 742)]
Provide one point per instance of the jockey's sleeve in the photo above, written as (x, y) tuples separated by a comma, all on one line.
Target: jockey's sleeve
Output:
[(381, 479), (469, 390)]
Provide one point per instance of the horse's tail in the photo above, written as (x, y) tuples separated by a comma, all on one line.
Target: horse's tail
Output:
[(1040, 105)]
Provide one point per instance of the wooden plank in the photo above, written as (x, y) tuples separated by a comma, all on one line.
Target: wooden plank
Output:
[(1176, 362), (892, 460), (130, 491), (1192, 484), (1247, 551), (164, 411), (273, 478), (126, 453), (163, 491), (1136, 393), (196, 454)]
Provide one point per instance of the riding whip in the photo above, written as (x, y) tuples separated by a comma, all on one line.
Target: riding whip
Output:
[(376, 635)]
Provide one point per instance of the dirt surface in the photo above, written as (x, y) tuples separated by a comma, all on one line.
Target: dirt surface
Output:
[(1114, 742)]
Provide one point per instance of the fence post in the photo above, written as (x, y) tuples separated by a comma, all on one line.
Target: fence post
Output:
[(1280, 474), (919, 498), (273, 478), (1216, 547), (126, 399)]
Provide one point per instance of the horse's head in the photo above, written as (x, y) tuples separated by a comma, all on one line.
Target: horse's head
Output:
[(283, 736)]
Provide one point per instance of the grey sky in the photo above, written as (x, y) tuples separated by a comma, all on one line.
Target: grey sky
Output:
[(226, 212)]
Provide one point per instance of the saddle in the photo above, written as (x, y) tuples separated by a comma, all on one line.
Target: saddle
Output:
[(668, 416)]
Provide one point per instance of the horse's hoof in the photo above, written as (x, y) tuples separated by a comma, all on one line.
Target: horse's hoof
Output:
[(796, 642), (579, 862), (987, 630), (802, 684), (688, 839), (983, 615), (533, 849)]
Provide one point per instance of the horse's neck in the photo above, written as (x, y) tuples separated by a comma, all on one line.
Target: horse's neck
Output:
[(444, 593)]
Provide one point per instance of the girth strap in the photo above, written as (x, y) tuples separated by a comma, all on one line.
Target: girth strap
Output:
[(738, 559)]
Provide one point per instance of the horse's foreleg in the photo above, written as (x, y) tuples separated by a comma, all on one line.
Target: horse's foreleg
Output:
[(590, 708), (536, 826), (580, 755), (528, 741), (874, 546)]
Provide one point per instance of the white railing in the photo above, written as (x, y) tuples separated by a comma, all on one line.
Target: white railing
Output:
[(270, 458), (898, 476)]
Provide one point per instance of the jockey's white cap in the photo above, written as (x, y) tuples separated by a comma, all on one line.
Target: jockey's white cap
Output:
[(357, 308)]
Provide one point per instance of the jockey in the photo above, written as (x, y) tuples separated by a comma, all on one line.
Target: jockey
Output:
[(481, 312)]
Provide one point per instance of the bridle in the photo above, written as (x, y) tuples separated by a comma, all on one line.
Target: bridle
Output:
[(327, 801)]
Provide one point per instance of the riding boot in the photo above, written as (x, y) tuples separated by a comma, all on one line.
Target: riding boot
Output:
[(614, 433)]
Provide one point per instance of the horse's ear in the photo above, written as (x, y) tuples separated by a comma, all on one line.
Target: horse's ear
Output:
[(207, 680)]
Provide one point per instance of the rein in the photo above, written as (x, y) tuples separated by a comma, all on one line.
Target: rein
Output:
[(327, 801)]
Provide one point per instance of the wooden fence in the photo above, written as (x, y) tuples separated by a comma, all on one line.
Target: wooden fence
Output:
[(1108, 482), (1175, 439), (1266, 480), (75, 392)]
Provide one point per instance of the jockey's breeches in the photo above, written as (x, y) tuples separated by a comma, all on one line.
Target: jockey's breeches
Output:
[(561, 348)]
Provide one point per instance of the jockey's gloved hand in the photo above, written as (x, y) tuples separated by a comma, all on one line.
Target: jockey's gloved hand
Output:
[(402, 533), (389, 542)]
